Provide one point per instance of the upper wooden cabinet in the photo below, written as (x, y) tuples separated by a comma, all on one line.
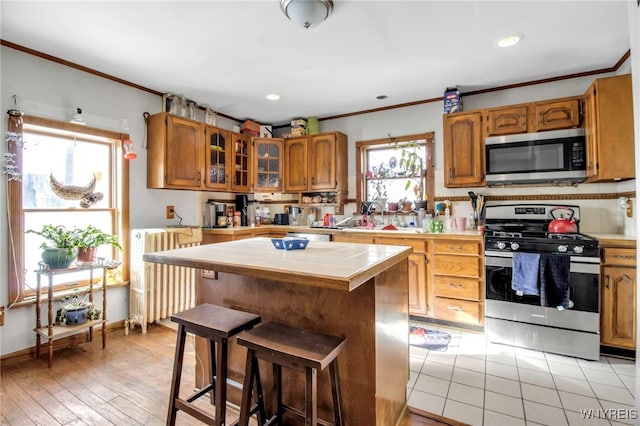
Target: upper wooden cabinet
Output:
[(316, 163), (555, 114), (175, 152), (608, 114), (463, 150), (218, 147), (506, 120), (241, 156), (267, 164)]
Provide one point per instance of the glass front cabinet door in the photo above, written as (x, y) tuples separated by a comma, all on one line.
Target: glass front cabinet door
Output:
[(241, 164), (267, 164), (218, 146)]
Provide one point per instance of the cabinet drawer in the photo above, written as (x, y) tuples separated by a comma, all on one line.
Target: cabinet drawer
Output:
[(456, 247), (619, 256), (457, 287), (418, 245), (467, 266), (458, 310)]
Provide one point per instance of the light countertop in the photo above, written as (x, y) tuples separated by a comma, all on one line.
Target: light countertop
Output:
[(342, 266)]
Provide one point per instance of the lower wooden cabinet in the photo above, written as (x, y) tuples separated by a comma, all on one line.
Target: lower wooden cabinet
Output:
[(618, 291), (457, 281)]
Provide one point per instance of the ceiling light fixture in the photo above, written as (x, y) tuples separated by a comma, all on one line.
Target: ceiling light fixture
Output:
[(307, 13), (510, 40), (273, 97)]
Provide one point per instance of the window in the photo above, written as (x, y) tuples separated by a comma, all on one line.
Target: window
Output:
[(396, 168), (58, 155)]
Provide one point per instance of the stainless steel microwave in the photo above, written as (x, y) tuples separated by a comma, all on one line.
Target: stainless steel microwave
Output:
[(557, 156)]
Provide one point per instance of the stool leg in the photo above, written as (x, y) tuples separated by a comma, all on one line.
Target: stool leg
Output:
[(177, 373), (221, 383), (212, 363), (311, 397), (277, 394), (262, 414), (247, 386), (335, 392)]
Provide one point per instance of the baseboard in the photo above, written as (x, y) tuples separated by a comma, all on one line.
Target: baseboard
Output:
[(28, 353)]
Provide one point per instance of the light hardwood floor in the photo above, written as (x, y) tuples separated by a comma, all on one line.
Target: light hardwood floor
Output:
[(125, 384)]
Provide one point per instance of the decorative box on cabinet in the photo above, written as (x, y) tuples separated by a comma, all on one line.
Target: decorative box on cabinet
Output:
[(608, 122), (457, 275), (463, 150), (175, 152), (618, 288), (51, 331)]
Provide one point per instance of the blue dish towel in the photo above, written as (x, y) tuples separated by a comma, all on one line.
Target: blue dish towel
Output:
[(554, 281), (524, 277)]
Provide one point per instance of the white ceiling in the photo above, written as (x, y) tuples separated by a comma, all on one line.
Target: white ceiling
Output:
[(230, 54)]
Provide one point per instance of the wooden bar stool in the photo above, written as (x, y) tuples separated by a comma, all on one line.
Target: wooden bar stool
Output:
[(216, 324), (299, 349)]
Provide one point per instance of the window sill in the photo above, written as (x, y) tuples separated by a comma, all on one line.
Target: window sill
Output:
[(61, 294)]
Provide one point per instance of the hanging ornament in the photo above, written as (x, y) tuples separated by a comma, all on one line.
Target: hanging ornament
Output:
[(129, 154), (74, 192), (9, 167)]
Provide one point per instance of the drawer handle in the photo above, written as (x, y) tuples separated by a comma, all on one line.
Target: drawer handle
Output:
[(618, 256), (455, 308), (455, 248), (537, 316), (454, 285)]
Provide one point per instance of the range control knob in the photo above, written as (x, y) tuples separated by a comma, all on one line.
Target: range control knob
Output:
[(562, 249), (515, 246), (501, 245), (578, 249)]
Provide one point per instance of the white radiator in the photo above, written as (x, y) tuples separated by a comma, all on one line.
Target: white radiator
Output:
[(157, 290)]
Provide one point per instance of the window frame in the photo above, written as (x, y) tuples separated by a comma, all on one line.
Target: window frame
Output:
[(361, 163), (18, 292)]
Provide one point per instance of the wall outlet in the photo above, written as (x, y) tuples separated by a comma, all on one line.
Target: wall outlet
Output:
[(170, 212)]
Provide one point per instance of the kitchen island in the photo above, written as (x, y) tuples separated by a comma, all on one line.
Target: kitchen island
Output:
[(359, 291)]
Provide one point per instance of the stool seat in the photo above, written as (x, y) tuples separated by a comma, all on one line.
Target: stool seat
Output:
[(217, 324), (295, 348)]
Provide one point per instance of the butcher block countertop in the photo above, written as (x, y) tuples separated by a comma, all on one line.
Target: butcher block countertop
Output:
[(614, 240), (341, 266)]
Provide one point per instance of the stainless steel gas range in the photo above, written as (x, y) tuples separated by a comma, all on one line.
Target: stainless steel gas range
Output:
[(542, 288)]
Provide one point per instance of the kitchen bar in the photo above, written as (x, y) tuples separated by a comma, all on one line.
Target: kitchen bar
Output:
[(359, 291)]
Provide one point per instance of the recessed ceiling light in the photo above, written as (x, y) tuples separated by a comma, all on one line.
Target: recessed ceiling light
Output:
[(381, 97), (509, 40), (273, 97)]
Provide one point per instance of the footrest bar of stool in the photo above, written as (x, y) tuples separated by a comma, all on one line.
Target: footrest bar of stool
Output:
[(301, 414), (194, 411), (252, 411), (200, 393)]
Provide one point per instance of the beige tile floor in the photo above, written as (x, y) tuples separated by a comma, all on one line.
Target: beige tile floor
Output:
[(487, 384)]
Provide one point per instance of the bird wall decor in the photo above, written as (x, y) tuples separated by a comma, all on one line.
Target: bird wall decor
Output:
[(85, 193)]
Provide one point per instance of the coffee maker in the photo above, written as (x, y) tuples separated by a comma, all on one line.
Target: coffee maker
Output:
[(212, 213), (242, 204)]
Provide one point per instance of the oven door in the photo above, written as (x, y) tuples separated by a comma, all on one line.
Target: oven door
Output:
[(584, 286)]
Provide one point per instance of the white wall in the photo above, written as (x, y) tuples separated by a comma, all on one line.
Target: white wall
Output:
[(50, 90)]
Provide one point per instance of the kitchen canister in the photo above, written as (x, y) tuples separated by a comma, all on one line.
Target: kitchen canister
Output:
[(312, 126)]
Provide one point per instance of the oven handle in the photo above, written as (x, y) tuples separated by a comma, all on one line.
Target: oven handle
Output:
[(584, 265)]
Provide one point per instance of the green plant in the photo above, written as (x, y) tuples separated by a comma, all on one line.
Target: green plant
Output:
[(411, 166), (73, 303), (57, 237), (94, 237), (380, 188)]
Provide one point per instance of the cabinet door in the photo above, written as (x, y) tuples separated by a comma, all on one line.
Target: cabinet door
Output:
[(218, 146), (295, 169), (418, 284), (241, 163), (322, 162), (267, 160), (553, 115), (619, 307), (353, 238), (506, 121), (184, 155), (463, 149), (609, 128)]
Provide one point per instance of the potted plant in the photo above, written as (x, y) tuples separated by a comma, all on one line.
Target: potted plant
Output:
[(89, 239), (61, 248), (75, 311), (411, 166)]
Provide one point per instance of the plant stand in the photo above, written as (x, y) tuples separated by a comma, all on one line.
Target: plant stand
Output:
[(52, 331)]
